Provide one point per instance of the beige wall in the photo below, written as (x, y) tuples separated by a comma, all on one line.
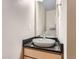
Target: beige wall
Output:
[(62, 25), (62, 31), (18, 23)]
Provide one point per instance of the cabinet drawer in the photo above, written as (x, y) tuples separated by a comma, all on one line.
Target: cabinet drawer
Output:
[(27, 58), (40, 54)]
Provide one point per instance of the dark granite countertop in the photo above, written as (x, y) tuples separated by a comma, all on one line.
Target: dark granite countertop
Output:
[(58, 48)]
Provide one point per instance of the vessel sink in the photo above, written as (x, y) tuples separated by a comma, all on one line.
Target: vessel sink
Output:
[(41, 42)]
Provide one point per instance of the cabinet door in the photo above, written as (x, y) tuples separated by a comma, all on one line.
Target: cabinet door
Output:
[(40, 55), (27, 58)]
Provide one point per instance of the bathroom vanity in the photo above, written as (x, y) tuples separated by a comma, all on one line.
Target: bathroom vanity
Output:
[(45, 44), (31, 51)]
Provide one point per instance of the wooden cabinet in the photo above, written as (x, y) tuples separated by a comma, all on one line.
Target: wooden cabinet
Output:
[(37, 54)]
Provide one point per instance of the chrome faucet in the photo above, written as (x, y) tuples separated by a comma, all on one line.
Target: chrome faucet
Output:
[(44, 36)]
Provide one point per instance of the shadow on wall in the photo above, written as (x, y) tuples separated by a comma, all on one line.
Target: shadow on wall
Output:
[(17, 22), (21, 55)]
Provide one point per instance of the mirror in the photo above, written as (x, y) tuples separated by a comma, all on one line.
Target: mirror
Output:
[(45, 22)]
